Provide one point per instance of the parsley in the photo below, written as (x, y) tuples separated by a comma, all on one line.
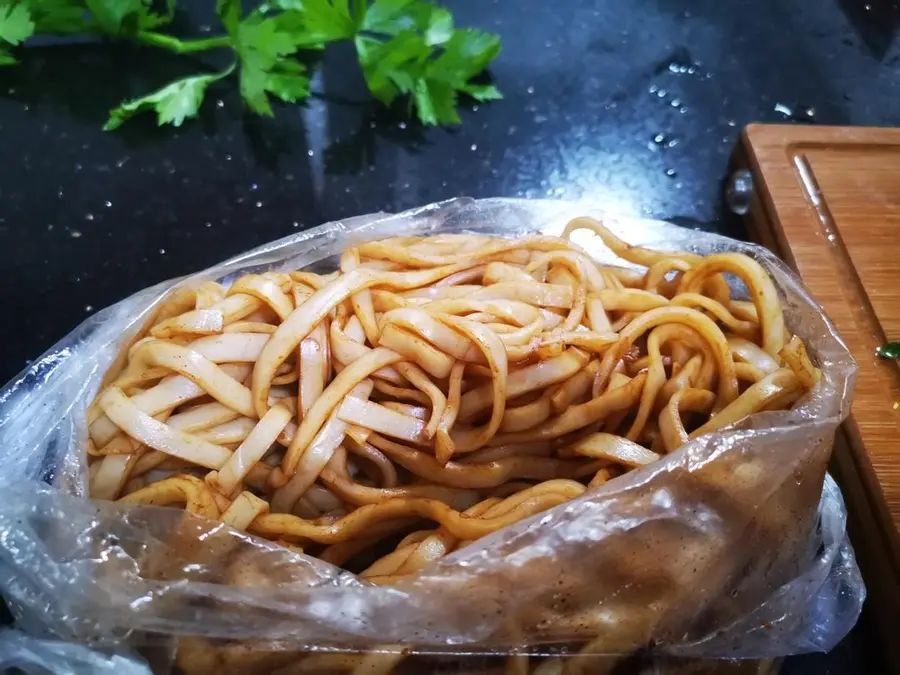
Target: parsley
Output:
[(407, 49)]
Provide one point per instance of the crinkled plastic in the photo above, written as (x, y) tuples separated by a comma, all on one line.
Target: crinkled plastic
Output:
[(32, 656), (733, 546)]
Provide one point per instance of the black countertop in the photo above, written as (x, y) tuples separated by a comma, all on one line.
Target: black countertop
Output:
[(634, 103)]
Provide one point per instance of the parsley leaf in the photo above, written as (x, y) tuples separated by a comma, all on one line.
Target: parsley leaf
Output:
[(406, 48), (111, 14), (173, 103), (57, 16), (229, 12), (430, 61), (329, 18), (16, 25)]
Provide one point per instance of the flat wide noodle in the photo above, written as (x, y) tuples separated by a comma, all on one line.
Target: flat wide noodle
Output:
[(440, 388)]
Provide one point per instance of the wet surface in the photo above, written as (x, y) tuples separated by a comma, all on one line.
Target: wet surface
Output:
[(635, 104)]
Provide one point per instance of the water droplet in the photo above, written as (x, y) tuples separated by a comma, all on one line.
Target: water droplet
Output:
[(549, 192), (662, 93), (208, 224), (310, 152), (675, 102), (474, 108), (289, 176), (683, 109), (659, 138), (254, 187), (259, 205), (205, 28), (653, 89), (739, 191), (732, 123), (402, 125), (220, 103), (671, 173), (11, 91), (107, 203), (473, 147), (75, 234), (512, 129), (832, 237), (296, 224), (530, 90), (88, 308), (122, 162), (672, 143), (868, 8), (77, 166), (162, 251), (227, 158), (89, 216)]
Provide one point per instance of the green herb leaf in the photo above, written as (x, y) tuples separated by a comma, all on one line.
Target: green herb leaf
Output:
[(111, 14), (6, 59), (482, 92), (173, 103), (58, 16), (16, 25), (440, 27), (229, 12), (465, 55), (889, 351), (147, 19), (329, 18)]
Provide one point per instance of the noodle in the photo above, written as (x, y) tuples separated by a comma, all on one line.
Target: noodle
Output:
[(460, 382)]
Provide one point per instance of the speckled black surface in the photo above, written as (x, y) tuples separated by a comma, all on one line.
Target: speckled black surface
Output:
[(635, 103)]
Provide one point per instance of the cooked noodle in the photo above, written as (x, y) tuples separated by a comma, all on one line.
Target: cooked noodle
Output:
[(459, 381)]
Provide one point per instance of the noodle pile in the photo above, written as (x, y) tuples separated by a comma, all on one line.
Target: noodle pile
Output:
[(434, 390)]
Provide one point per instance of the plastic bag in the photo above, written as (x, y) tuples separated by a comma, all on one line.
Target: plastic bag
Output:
[(729, 547), (24, 654)]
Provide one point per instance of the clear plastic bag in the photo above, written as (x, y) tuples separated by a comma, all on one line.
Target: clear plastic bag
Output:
[(733, 546)]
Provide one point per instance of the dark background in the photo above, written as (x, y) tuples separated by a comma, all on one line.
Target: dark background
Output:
[(636, 104)]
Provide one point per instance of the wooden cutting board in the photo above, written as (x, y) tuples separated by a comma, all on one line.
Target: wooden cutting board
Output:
[(827, 200)]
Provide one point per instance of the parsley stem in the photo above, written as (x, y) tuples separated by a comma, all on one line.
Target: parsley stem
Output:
[(182, 46)]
